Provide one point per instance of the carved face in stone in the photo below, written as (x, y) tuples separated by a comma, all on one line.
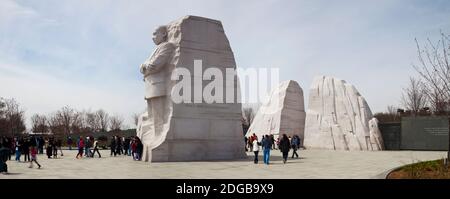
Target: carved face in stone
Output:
[(160, 35)]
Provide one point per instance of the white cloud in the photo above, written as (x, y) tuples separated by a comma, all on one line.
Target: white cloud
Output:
[(41, 93), (86, 53)]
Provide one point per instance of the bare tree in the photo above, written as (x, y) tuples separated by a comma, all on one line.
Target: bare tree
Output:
[(248, 114), (3, 122), (434, 68), (66, 117), (2, 107), (55, 124), (116, 122), (39, 123), (63, 122), (436, 99), (92, 121), (392, 110), (135, 118), (414, 97), (391, 115), (77, 124), (13, 117), (103, 119)]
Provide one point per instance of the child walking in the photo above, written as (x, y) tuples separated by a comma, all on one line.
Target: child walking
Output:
[(34, 157)]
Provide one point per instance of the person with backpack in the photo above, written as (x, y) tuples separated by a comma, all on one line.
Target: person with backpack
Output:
[(267, 146)]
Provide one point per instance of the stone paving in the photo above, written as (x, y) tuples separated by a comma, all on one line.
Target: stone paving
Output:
[(311, 164)]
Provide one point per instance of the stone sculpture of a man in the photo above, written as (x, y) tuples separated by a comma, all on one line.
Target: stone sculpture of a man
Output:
[(155, 70)]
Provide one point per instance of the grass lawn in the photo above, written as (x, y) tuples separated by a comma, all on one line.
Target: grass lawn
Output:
[(434, 169)]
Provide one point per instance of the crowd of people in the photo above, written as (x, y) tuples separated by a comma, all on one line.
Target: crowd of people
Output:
[(29, 146), (268, 143), (128, 146)]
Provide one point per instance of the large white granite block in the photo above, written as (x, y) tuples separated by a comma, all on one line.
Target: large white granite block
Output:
[(283, 113), (338, 118)]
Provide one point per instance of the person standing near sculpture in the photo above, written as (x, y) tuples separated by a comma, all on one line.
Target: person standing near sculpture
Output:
[(139, 149), (155, 71), (295, 144), (255, 149), (267, 146), (285, 145)]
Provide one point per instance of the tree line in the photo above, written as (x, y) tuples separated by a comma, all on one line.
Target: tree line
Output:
[(62, 122)]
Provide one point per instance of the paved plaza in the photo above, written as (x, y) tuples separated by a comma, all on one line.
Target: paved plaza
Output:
[(312, 164)]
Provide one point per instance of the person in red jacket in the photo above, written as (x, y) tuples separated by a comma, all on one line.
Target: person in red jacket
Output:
[(33, 153), (80, 148), (133, 148)]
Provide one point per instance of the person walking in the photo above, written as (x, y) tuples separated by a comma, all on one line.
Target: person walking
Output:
[(267, 146), (48, 148), (87, 147), (272, 139), (255, 150), (139, 149), (80, 148), (133, 148), (26, 150), (59, 146), (5, 152), (118, 145), (126, 146), (113, 146), (18, 148), (285, 145), (96, 149), (295, 143), (69, 142), (54, 147), (33, 153), (41, 145)]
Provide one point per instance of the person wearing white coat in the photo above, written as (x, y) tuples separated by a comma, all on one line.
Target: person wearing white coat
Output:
[(255, 149)]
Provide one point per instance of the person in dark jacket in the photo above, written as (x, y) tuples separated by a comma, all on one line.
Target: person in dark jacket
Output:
[(295, 144), (41, 145), (49, 148), (285, 145), (139, 149), (4, 154), (267, 146), (113, 146), (69, 142), (126, 146), (26, 150)]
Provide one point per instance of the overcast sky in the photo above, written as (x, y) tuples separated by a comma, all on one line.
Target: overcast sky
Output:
[(86, 54)]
